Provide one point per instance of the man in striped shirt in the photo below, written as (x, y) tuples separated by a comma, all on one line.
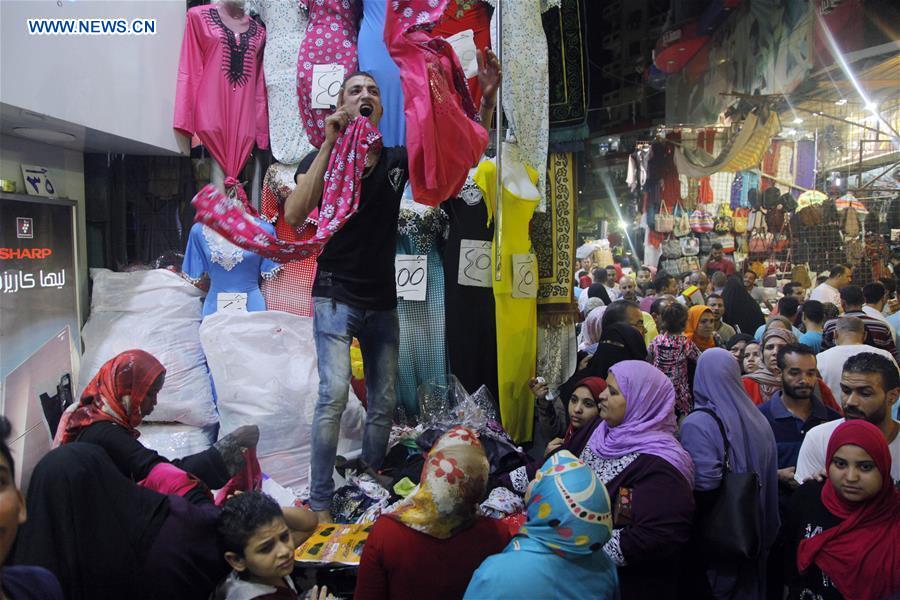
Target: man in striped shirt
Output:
[(878, 334)]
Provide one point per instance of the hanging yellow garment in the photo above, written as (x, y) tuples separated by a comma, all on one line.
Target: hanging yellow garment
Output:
[(515, 304)]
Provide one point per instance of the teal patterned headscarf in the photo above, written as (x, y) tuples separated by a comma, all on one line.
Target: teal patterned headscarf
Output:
[(568, 508)]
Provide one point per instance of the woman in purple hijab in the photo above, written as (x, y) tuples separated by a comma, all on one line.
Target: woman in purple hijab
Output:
[(717, 387), (649, 477)]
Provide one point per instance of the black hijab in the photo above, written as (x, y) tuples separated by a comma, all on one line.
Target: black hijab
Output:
[(598, 290), (741, 311), (618, 342)]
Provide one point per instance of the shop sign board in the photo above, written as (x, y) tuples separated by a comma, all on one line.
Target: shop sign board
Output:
[(38, 181)]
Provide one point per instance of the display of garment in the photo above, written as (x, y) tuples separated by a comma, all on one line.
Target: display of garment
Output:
[(526, 81), (423, 350), (375, 59), (468, 296), (231, 270), (330, 40), (340, 200), (438, 107), (463, 15), (285, 28), (291, 289), (557, 352), (516, 305), (221, 91), (804, 166)]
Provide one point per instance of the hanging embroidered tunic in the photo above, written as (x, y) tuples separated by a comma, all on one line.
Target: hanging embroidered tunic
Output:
[(230, 268), (330, 40), (221, 91)]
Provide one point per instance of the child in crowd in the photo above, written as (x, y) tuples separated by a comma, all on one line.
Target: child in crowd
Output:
[(675, 355), (259, 547)]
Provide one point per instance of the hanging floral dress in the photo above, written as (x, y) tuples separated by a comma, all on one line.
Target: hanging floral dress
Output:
[(221, 91), (330, 40)]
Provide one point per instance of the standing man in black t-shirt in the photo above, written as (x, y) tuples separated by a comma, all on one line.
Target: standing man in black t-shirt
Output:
[(355, 293)]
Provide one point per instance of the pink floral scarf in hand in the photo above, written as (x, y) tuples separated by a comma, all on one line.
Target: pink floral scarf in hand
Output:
[(340, 200)]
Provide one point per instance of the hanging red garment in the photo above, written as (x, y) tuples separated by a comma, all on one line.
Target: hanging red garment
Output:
[(291, 288), (461, 15), (221, 91), (769, 165), (706, 140), (443, 138), (340, 200), (330, 40)]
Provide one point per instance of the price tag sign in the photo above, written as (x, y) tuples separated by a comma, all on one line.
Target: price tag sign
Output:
[(38, 181), (474, 263), (411, 271), (326, 83), (464, 45), (525, 283), (231, 301)]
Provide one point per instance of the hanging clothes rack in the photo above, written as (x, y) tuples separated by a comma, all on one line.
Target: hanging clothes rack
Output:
[(498, 186)]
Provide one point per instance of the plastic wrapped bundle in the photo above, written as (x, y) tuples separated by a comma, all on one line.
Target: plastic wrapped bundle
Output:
[(264, 366), (444, 402), (174, 440), (159, 312)]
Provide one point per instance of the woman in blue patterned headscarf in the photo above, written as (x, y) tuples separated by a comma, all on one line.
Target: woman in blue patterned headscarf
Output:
[(568, 523)]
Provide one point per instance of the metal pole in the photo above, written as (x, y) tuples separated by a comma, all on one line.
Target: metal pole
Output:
[(498, 189)]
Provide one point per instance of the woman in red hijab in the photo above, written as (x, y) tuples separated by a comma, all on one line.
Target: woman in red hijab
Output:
[(846, 532), (112, 406)]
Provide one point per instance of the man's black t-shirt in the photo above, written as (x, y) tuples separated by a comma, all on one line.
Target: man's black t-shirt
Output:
[(356, 266)]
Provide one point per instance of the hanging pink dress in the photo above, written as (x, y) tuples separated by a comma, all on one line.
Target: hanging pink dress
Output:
[(330, 39), (221, 91), (443, 139)]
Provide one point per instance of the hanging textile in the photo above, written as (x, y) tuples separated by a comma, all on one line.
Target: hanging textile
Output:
[(526, 82), (330, 40), (743, 151), (516, 305), (462, 15), (291, 289), (285, 29), (804, 166), (375, 59), (706, 140), (553, 234), (423, 351), (567, 62), (221, 91), (340, 199), (557, 353), (439, 110), (469, 298)]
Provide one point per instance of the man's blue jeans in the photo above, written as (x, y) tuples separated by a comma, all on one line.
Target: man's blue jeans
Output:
[(378, 331)]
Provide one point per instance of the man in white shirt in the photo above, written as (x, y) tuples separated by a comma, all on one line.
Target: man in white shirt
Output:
[(830, 290), (849, 334), (870, 384), (876, 297)]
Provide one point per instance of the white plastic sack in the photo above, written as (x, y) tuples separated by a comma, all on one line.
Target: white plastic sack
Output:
[(174, 440), (159, 312), (264, 368)]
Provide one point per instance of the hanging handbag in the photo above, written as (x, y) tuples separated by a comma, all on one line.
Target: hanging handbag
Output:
[(727, 242), (724, 221), (706, 242), (701, 221), (671, 266), (671, 248), (688, 264), (759, 243), (682, 222), (731, 528), (739, 220), (665, 220), (690, 246)]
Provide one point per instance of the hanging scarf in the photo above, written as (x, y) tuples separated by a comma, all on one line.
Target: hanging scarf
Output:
[(695, 313), (454, 479), (114, 394), (649, 424), (861, 555), (340, 200), (769, 382)]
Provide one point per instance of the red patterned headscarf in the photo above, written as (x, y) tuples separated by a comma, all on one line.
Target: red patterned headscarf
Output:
[(454, 479), (114, 394), (340, 200), (861, 555)]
